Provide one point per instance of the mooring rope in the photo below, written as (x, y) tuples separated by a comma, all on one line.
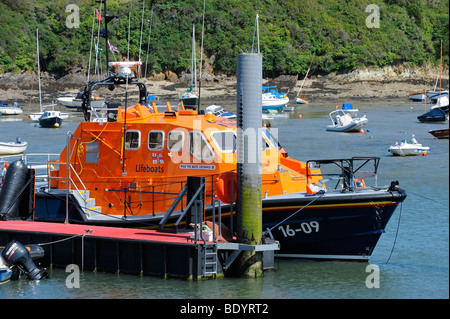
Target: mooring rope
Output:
[(396, 233), (87, 232), (320, 193), (431, 199)]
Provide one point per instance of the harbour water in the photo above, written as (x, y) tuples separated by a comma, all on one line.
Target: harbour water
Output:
[(411, 258)]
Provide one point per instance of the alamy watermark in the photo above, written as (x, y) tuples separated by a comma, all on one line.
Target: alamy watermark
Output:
[(73, 19), (373, 279), (373, 19), (73, 279)]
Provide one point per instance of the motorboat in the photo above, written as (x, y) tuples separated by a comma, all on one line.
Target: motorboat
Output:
[(37, 115), (272, 100), (14, 109), (412, 148), (343, 122), (10, 148), (189, 99), (66, 100), (51, 119), (418, 96), (438, 112), (435, 94), (139, 178), (217, 110), (440, 134)]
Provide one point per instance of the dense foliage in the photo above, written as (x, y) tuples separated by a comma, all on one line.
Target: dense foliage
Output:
[(291, 32)]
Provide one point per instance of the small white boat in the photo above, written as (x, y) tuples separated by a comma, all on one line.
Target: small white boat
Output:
[(301, 100), (344, 122), (11, 148), (14, 109), (217, 110), (418, 96), (409, 149)]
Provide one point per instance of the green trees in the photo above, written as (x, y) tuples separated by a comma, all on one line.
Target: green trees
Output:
[(291, 31)]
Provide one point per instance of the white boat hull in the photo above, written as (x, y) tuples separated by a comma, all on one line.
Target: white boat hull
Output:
[(95, 103), (66, 101), (10, 111), (11, 148), (355, 126), (301, 100), (409, 150)]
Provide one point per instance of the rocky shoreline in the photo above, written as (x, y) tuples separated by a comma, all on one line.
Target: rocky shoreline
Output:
[(389, 83)]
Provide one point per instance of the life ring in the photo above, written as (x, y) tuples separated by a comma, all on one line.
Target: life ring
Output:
[(225, 182), (359, 182)]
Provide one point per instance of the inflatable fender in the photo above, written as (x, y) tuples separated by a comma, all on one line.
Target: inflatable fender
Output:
[(16, 177), (225, 183)]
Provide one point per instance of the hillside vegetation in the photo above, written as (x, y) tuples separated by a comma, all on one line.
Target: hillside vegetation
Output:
[(291, 32)]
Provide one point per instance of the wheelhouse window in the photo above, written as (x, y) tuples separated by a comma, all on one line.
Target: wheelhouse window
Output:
[(225, 141), (132, 140), (92, 152), (156, 140), (271, 139), (198, 146), (175, 141)]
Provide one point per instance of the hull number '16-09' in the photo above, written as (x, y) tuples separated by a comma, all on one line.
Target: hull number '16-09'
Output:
[(305, 227)]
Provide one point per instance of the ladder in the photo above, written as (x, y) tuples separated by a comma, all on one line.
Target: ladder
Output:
[(209, 260)]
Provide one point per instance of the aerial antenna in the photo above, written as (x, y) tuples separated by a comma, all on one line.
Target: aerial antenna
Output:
[(148, 42), (140, 41), (256, 32), (201, 57)]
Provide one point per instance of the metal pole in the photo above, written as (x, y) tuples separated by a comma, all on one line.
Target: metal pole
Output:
[(249, 167), (69, 136)]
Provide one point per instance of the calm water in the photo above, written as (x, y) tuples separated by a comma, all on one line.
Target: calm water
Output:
[(417, 268)]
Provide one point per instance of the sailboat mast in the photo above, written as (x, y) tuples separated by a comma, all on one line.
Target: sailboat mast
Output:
[(39, 69), (201, 58), (440, 77), (194, 56), (307, 72)]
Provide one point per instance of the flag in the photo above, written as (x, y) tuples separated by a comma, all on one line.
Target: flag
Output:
[(99, 17), (99, 49), (112, 48)]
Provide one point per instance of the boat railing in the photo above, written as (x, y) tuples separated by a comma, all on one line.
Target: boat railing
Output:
[(42, 163), (347, 171)]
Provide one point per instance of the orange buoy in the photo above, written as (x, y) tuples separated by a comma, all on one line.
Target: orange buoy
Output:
[(424, 154), (300, 116), (225, 183), (361, 131)]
